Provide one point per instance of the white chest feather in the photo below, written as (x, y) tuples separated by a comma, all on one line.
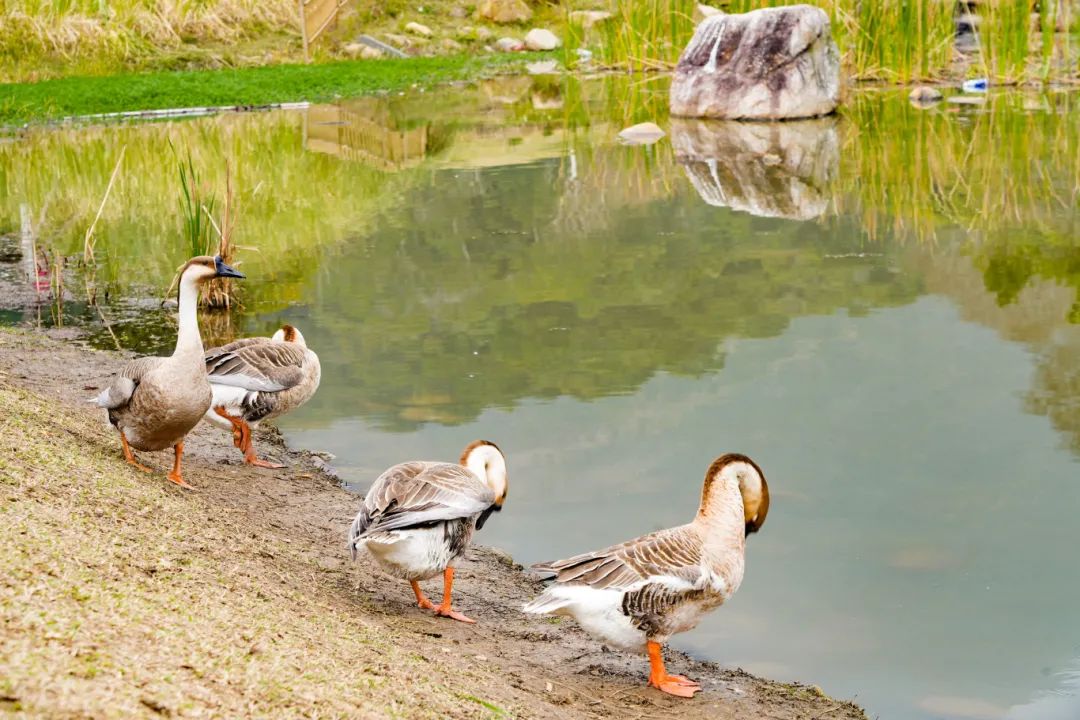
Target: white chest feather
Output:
[(413, 554)]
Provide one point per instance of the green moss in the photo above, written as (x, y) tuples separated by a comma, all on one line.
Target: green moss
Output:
[(56, 99)]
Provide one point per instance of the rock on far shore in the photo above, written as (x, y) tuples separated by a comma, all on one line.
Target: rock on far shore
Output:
[(504, 11), (769, 64), (540, 39)]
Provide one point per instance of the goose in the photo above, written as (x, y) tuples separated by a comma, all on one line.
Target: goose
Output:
[(418, 517), (155, 401), (256, 379), (636, 595)]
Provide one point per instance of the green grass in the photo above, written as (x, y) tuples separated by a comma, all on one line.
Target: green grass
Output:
[(55, 99)]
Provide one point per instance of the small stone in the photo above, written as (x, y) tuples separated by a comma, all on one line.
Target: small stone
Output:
[(645, 133), (397, 40), (452, 45), (504, 11), (508, 44), (418, 29), (483, 33), (458, 12), (541, 39), (588, 18), (353, 49), (924, 95), (702, 11), (370, 53)]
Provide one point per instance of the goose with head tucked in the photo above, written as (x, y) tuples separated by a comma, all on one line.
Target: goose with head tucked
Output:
[(257, 379), (636, 595), (156, 401), (418, 517)]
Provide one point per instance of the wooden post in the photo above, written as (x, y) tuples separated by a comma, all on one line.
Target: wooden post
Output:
[(303, 31)]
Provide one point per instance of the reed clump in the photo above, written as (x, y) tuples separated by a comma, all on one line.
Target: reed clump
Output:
[(896, 42)]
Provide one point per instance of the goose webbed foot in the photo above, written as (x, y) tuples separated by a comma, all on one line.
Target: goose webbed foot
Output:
[(445, 609), (174, 475), (130, 456), (678, 685)]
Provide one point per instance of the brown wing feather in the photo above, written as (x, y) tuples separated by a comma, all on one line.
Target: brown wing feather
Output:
[(257, 364), (676, 552), (415, 493)]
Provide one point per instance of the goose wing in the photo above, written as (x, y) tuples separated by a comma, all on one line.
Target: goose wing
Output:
[(673, 554), (420, 493), (122, 387), (256, 365)]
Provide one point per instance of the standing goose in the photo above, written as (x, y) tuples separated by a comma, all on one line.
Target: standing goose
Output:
[(256, 379), (418, 517), (155, 401), (636, 595)]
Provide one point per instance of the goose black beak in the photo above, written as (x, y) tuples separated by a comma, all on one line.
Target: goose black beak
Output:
[(224, 270)]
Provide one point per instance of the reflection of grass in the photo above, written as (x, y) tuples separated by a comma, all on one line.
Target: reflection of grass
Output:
[(289, 202)]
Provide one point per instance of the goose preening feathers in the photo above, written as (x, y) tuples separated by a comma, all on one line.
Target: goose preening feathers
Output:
[(418, 517), (636, 595), (256, 379), (155, 401)]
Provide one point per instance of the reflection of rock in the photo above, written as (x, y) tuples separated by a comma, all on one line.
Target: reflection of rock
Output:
[(769, 64), (766, 169)]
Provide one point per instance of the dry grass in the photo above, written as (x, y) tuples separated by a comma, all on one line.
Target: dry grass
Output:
[(121, 597)]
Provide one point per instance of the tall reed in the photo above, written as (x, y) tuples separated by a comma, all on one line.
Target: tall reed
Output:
[(897, 42)]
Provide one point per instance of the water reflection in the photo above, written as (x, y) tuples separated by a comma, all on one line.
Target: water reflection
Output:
[(779, 170)]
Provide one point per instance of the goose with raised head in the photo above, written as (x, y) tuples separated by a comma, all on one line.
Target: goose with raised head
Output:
[(636, 595), (418, 517), (257, 379), (156, 401)]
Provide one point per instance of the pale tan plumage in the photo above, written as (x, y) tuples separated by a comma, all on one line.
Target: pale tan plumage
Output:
[(639, 593), (155, 402)]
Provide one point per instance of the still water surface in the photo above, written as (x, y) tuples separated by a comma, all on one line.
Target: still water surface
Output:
[(880, 309)]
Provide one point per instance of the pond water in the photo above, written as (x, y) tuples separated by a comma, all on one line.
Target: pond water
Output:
[(880, 308)]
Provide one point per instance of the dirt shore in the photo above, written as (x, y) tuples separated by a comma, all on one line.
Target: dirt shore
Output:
[(126, 596)]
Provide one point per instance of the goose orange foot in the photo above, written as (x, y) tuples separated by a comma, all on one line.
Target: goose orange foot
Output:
[(174, 474), (678, 685), (130, 456), (421, 600), (447, 611), (444, 610)]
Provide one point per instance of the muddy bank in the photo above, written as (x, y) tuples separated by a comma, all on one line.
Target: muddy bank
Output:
[(347, 640)]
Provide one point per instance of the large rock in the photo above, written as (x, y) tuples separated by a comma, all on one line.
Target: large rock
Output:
[(504, 11), (781, 170), (770, 64)]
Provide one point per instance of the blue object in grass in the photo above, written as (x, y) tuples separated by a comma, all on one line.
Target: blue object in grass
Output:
[(976, 85)]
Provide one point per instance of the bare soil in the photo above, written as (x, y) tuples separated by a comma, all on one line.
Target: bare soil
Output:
[(127, 596)]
